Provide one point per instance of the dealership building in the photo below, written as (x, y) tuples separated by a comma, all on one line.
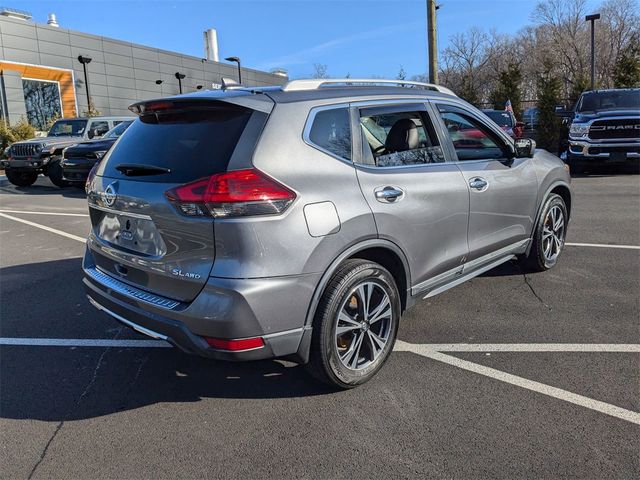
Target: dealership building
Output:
[(42, 71)]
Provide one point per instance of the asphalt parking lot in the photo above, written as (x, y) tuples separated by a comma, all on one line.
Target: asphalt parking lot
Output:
[(509, 375)]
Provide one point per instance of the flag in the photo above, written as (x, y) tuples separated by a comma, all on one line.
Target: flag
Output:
[(508, 107)]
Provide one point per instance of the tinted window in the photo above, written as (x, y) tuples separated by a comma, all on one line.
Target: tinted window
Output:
[(471, 139), (118, 130), (192, 142), (331, 131), (503, 119), (621, 99), (99, 128), (68, 128), (392, 138)]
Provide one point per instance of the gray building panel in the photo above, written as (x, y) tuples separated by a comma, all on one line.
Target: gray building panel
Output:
[(120, 73)]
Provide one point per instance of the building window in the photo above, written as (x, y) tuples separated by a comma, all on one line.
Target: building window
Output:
[(42, 101)]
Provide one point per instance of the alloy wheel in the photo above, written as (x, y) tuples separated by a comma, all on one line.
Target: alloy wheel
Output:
[(553, 232), (363, 325)]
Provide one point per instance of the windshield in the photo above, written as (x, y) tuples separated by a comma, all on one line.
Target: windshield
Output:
[(503, 119), (68, 128), (612, 100), (118, 130)]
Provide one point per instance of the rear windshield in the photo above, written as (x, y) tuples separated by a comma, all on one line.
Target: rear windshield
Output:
[(191, 141), (612, 100), (503, 119)]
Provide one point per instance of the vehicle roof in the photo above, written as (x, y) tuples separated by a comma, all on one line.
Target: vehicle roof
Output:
[(603, 90), (276, 94)]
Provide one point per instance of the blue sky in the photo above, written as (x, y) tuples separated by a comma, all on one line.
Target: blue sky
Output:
[(360, 37)]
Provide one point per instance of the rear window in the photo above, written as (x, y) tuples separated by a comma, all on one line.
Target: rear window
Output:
[(191, 141)]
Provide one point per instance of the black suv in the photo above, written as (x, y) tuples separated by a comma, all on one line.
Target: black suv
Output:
[(605, 129), (78, 160), (27, 159)]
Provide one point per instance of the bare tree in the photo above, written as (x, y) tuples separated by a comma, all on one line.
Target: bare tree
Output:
[(319, 71)]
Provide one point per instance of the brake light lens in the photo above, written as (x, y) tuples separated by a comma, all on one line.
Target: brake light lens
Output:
[(235, 345), (238, 193), (90, 177)]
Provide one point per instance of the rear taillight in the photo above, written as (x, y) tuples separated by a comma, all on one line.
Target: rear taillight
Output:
[(239, 193), (235, 345), (90, 177)]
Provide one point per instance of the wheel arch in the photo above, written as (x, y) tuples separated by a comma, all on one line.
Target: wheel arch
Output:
[(560, 188), (381, 251)]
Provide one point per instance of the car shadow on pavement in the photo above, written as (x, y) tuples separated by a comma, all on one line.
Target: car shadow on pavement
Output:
[(68, 383), (39, 189)]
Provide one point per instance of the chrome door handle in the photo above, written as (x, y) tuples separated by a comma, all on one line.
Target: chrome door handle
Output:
[(388, 194), (478, 183)]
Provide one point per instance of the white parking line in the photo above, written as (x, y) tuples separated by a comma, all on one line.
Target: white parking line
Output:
[(83, 342), (432, 351), (527, 347), (603, 245), (63, 214), (586, 402), (44, 227)]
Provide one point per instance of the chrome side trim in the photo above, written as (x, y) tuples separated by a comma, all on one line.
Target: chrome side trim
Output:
[(120, 212), (469, 276), (469, 269), (135, 326), (513, 248), (129, 291)]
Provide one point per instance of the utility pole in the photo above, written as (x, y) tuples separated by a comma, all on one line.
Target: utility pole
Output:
[(432, 40), (592, 19)]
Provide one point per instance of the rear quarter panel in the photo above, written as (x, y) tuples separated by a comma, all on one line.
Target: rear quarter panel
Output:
[(283, 245)]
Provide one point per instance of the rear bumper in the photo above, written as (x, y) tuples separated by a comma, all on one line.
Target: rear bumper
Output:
[(225, 308)]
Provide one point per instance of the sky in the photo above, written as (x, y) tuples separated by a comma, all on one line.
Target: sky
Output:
[(361, 38)]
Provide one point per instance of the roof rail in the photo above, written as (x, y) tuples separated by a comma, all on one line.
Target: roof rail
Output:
[(315, 83)]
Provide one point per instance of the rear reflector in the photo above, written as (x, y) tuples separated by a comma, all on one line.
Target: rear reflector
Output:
[(235, 345), (237, 193)]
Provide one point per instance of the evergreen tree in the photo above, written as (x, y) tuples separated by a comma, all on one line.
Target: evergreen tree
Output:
[(508, 88), (548, 98), (626, 71)]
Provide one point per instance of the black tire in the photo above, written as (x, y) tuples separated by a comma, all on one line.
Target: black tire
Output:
[(540, 258), (54, 172), (21, 178), (342, 292)]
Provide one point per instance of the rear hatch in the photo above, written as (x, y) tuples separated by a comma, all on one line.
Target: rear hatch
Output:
[(138, 235)]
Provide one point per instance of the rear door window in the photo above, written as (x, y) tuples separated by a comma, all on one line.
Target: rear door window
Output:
[(398, 136), (191, 141)]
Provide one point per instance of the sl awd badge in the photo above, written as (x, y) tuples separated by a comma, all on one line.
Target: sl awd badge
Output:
[(179, 273)]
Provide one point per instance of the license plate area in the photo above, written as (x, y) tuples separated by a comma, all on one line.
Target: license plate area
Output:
[(129, 233), (615, 157)]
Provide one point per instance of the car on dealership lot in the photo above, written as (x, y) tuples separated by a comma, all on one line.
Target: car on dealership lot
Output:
[(301, 221), (78, 159), (531, 118), (29, 158), (507, 121), (605, 129)]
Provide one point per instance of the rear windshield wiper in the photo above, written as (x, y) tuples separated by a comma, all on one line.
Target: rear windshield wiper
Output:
[(139, 169)]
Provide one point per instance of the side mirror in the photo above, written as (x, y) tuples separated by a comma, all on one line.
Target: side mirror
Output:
[(525, 147)]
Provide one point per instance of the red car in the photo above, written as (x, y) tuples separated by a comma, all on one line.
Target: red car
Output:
[(507, 121)]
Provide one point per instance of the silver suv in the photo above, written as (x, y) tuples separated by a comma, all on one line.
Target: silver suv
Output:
[(302, 221)]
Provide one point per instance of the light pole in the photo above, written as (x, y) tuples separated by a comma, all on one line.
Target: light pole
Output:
[(237, 60), (432, 40), (180, 76), (592, 19), (84, 60)]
